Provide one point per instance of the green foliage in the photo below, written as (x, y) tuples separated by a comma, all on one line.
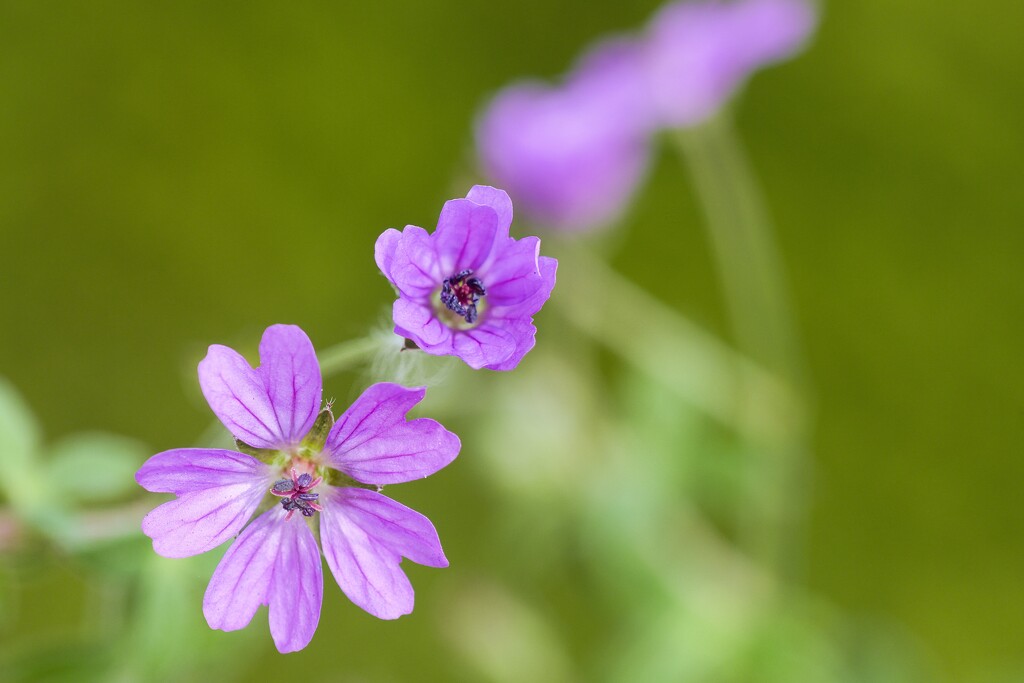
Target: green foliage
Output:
[(94, 467), (19, 447)]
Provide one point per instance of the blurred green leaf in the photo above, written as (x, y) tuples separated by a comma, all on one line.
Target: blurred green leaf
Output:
[(95, 466), (168, 621), (121, 558), (505, 640), (19, 446)]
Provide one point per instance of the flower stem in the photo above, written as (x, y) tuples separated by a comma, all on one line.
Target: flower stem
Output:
[(758, 302), (661, 343), (744, 246), (348, 354)]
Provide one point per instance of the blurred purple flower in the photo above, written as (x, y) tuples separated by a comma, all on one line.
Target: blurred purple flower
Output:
[(317, 466), (468, 289), (700, 53), (573, 155)]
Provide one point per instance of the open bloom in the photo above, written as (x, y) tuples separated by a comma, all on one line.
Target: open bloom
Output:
[(468, 289), (306, 465)]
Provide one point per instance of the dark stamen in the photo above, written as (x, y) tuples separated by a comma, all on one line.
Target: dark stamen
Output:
[(461, 293), (296, 494)]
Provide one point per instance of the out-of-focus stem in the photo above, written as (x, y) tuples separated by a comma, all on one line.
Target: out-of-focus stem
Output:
[(661, 343), (744, 247), (348, 354), (758, 301)]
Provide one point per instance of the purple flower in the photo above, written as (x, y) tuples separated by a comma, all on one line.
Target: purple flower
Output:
[(468, 289), (571, 155), (574, 154), (313, 465), (698, 54)]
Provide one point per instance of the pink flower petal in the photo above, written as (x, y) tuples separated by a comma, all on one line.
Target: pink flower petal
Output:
[(465, 235), (385, 248), (487, 345), (373, 442), (217, 490), (291, 374), (414, 268), (497, 200), (273, 406), (532, 304), (418, 322), (514, 275), (274, 562), (365, 535)]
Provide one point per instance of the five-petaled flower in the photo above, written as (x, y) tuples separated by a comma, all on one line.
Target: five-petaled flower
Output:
[(468, 289), (310, 465)]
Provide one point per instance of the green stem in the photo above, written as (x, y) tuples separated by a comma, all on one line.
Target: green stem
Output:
[(758, 301), (744, 247), (661, 343), (348, 354)]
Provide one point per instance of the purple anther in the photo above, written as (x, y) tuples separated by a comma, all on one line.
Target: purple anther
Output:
[(461, 293), (296, 493)]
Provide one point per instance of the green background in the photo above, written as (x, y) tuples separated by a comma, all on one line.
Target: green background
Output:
[(179, 174)]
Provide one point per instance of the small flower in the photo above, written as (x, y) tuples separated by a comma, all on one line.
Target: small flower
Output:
[(468, 289), (315, 466), (700, 53)]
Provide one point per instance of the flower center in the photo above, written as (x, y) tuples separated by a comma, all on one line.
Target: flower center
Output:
[(461, 293), (296, 493)]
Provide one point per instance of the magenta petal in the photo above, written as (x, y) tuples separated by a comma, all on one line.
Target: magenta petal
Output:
[(525, 335), (365, 535), (237, 396), (384, 250), (274, 562), (217, 490), (373, 443), (298, 588), (414, 268), (497, 200), (484, 346), (291, 374), (418, 322), (532, 304), (465, 235), (515, 274), (270, 407)]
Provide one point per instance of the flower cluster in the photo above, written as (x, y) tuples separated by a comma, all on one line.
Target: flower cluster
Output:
[(468, 289), (574, 154), (294, 456)]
